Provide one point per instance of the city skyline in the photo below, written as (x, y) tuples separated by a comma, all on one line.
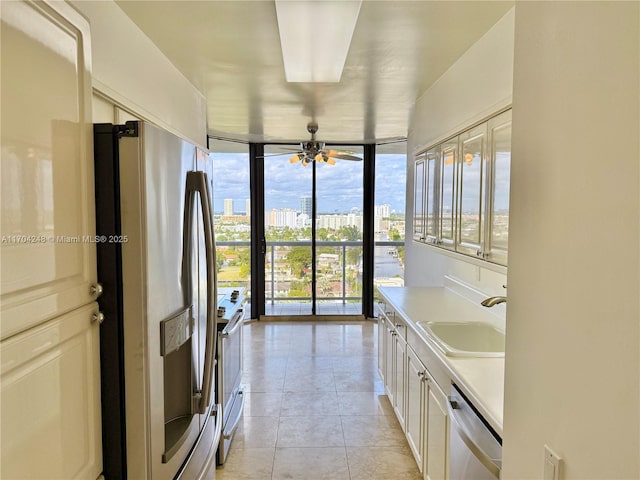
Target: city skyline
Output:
[(339, 187)]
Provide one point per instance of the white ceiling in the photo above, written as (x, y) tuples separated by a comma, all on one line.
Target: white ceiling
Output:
[(230, 50)]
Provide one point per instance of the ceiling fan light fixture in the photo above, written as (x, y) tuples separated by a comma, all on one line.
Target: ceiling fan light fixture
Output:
[(331, 161), (294, 159), (316, 58)]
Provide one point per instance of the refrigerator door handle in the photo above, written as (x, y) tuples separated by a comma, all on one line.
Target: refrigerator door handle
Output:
[(197, 183)]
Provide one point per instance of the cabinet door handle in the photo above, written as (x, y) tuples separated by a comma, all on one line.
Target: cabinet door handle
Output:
[(96, 290), (399, 325)]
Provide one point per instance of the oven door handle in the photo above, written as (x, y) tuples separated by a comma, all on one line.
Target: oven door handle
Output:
[(481, 455), (197, 183), (232, 428), (236, 325)]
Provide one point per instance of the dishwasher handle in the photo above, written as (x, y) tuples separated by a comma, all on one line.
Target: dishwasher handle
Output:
[(482, 456)]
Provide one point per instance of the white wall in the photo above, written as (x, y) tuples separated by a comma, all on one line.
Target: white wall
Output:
[(477, 85), (572, 359), (132, 72)]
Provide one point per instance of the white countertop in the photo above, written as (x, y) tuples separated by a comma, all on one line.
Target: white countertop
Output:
[(481, 379)]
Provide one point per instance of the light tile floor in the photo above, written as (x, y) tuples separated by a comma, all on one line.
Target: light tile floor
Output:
[(315, 407), (324, 307)]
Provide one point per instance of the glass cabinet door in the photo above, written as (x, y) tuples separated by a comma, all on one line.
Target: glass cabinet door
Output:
[(449, 152), (418, 201), (499, 167), (471, 169), (431, 195)]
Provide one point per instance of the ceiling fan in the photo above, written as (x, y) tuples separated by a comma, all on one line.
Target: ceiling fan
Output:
[(313, 150)]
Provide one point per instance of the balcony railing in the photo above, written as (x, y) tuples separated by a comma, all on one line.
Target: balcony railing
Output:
[(330, 269)]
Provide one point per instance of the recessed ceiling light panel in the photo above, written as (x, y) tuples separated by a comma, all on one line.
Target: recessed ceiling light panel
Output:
[(315, 37)]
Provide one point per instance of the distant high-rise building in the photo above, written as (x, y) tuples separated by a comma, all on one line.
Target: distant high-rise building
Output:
[(247, 207), (284, 217), (383, 211), (228, 207), (305, 206)]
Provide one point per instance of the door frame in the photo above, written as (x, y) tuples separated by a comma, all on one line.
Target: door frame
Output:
[(258, 237)]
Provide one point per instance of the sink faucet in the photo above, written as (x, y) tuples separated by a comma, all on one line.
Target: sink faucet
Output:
[(491, 301)]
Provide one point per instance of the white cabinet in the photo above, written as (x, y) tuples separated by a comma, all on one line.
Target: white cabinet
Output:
[(471, 171), (419, 200), (47, 209), (447, 194), (389, 360), (437, 435), (499, 174), (399, 375), (418, 401), (461, 191), (382, 331), (426, 420), (417, 389), (392, 358), (49, 344), (50, 389)]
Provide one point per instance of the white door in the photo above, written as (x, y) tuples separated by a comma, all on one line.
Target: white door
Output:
[(47, 209), (49, 340), (50, 390)]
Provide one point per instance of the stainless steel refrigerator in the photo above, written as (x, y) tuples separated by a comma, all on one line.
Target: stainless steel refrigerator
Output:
[(156, 265)]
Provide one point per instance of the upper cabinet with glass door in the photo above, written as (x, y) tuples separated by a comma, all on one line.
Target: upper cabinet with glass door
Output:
[(447, 210), (418, 200), (471, 171), (431, 195), (499, 168), (462, 191)]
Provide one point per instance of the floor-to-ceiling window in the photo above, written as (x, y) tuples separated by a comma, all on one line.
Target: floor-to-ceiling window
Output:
[(232, 213), (298, 279), (288, 191), (313, 229), (389, 219), (339, 228)]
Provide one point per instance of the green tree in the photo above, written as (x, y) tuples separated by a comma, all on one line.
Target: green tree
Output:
[(349, 233), (353, 255), (299, 258), (394, 235)]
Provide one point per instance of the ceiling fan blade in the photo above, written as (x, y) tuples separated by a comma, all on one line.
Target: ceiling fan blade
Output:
[(279, 154), (344, 156)]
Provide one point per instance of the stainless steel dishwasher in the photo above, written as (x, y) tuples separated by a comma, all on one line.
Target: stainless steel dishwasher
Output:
[(475, 449)]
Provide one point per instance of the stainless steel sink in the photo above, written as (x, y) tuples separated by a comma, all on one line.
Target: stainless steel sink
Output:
[(465, 339)]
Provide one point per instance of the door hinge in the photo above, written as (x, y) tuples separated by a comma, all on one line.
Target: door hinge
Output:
[(129, 129)]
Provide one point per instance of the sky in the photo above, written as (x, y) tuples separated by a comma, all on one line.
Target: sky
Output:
[(339, 186)]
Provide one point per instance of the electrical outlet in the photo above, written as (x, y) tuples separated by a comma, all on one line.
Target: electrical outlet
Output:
[(551, 464)]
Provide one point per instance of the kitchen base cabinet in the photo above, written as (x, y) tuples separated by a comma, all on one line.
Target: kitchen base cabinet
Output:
[(392, 359), (389, 357), (426, 419), (399, 380), (416, 406), (381, 342), (437, 455), (417, 399)]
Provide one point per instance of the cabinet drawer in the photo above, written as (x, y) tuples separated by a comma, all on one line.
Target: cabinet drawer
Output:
[(385, 311), (400, 326), (433, 364)]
